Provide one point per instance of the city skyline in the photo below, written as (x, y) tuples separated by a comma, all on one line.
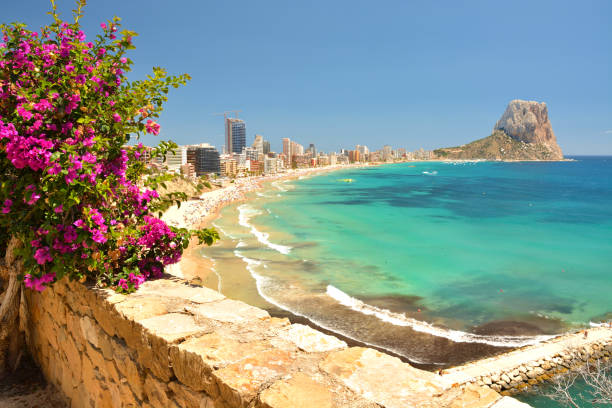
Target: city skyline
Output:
[(416, 75)]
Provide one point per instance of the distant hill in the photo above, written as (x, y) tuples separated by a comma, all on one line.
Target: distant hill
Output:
[(524, 132)]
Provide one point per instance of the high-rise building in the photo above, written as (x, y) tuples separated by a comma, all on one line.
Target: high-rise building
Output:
[(177, 158), (296, 149), (363, 150), (258, 145), (204, 157), (266, 147), (312, 151), (251, 153), (386, 153), (287, 148), (228, 166), (235, 135)]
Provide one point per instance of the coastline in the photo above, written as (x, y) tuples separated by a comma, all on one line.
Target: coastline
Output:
[(201, 213), (199, 270)]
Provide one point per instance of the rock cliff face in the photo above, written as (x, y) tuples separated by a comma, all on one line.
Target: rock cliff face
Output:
[(527, 121), (524, 132)]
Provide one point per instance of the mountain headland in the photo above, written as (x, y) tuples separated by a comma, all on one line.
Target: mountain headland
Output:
[(523, 132)]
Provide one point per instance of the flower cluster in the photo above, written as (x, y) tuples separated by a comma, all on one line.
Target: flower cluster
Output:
[(72, 189)]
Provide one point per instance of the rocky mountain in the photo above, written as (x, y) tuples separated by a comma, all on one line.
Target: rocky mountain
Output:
[(523, 132)]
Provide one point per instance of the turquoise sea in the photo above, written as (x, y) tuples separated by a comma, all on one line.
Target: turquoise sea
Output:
[(437, 262)]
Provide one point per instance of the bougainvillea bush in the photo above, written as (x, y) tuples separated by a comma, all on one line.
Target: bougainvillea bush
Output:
[(72, 191)]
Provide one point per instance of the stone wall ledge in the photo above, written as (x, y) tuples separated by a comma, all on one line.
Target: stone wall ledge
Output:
[(171, 344)]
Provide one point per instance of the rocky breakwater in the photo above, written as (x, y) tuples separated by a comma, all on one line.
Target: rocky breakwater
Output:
[(524, 132), (513, 371)]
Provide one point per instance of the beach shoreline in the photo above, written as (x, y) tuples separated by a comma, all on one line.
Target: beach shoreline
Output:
[(201, 213), (390, 329)]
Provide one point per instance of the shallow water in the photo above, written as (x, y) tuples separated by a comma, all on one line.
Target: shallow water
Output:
[(438, 262)]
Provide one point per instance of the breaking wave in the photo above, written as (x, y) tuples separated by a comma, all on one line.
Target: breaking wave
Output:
[(245, 214), (263, 284), (457, 336)]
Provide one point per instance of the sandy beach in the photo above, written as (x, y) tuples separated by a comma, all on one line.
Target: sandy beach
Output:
[(202, 212)]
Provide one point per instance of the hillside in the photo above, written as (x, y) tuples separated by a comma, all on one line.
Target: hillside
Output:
[(524, 132), (498, 146)]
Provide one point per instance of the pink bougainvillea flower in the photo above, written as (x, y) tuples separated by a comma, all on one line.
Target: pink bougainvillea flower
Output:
[(152, 127), (6, 208), (43, 255), (116, 117), (38, 284)]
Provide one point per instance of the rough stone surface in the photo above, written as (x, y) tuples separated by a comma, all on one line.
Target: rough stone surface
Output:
[(508, 402), (192, 349), (311, 340), (300, 391), (384, 379), (527, 121), (229, 311)]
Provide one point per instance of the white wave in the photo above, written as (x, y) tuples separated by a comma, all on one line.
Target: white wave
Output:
[(261, 194), (241, 244), (214, 270), (430, 173), (457, 336), (601, 324), (277, 185), (245, 214), (222, 231), (262, 282)]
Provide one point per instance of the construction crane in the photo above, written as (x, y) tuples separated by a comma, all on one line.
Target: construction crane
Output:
[(227, 112)]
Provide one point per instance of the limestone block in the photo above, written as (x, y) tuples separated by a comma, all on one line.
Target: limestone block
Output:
[(509, 402), (187, 398), (138, 308), (300, 391), (157, 392), (194, 360), (240, 382), (229, 311), (81, 397), (505, 378), (73, 357), (95, 356), (311, 340), (89, 330), (165, 288), (475, 397), (90, 382), (381, 378), (126, 395), (161, 332)]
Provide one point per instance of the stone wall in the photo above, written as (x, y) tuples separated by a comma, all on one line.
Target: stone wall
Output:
[(175, 345)]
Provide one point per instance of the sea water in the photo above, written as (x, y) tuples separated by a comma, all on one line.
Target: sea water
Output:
[(438, 262)]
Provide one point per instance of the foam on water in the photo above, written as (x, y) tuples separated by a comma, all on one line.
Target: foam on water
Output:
[(245, 214), (399, 319), (262, 283)]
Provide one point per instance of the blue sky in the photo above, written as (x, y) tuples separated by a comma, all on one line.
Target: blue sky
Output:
[(338, 73)]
